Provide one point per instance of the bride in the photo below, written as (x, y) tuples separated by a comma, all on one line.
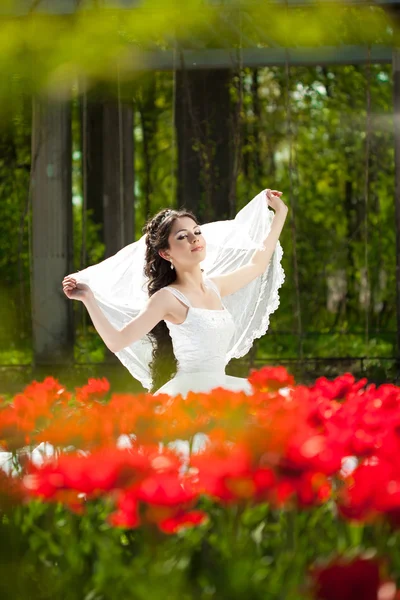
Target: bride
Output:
[(174, 324)]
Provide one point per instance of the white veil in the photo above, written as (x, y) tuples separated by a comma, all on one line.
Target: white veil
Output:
[(119, 284)]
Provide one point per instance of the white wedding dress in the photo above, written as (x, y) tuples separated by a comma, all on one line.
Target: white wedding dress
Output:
[(208, 339), (200, 346)]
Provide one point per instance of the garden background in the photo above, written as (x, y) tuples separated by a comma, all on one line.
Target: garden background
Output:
[(109, 113)]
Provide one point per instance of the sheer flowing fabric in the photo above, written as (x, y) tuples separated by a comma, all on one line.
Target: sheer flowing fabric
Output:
[(120, 289)]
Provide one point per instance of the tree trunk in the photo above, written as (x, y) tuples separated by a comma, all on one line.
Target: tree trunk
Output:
[(205, 153), (118, 176), (189, 187), (92, 153), (51, 230), (396, 101)]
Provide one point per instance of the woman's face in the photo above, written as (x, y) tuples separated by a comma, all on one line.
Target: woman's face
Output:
[(187, 245)]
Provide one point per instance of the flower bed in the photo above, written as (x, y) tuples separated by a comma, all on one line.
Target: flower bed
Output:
[(293, 492)]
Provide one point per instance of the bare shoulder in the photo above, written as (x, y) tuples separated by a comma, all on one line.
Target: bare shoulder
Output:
[(162, 297), (169, 304)]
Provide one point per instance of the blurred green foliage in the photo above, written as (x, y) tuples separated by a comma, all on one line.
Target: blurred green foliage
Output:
[(329, 239), (49, 51), (48, 552)]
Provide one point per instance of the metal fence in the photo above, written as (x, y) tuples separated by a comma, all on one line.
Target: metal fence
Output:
[(376, 369)]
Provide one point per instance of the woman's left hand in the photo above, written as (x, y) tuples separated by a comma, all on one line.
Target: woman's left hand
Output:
[(274, 200)]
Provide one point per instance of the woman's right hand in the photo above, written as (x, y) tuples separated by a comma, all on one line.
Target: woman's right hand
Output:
[(74, 290)]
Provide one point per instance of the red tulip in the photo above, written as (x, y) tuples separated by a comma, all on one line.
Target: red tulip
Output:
[(270, 379), (183, 521), (356, 579)]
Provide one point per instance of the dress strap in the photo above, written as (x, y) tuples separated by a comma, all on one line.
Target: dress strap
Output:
[(213, 286), (178, 295)]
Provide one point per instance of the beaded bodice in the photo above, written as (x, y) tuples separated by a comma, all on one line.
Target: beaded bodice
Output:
[(201, 342)]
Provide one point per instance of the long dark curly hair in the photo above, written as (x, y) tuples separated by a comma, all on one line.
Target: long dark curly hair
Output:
[(159, 274)]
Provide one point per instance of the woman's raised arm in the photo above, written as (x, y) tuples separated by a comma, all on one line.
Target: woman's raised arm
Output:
[(156, 309), (229, 283)]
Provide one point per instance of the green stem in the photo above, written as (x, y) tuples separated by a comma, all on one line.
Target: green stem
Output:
[(291, 530)]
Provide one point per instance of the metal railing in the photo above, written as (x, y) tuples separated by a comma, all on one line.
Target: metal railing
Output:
[(378, 369)]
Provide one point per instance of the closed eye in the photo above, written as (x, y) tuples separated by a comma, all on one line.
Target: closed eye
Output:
[(182, 237)]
